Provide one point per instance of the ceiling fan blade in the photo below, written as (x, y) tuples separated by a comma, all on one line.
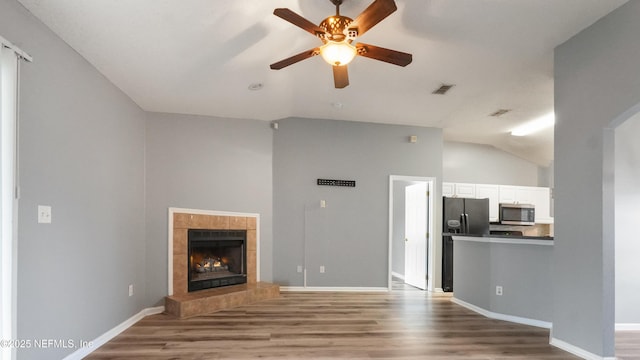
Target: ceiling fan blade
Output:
[(340, 76), (382, 54), (372, 15), (299, 21), (294, 59)]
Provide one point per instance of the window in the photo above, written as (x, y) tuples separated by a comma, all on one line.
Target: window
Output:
[(9, 70)]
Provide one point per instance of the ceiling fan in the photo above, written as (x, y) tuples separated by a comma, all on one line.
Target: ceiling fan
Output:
[(337, 32)]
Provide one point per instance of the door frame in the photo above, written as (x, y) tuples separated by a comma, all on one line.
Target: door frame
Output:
[(431, 181)]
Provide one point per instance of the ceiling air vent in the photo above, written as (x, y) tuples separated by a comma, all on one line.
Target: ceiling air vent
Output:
[(442, 89), (500, 112)]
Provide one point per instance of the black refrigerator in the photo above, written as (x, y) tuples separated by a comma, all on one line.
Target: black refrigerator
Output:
[(465, 216)]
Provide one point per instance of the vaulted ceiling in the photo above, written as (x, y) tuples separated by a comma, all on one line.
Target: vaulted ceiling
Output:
[(202, 57)]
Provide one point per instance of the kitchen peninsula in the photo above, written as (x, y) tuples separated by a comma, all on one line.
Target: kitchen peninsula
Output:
[(504, 277)]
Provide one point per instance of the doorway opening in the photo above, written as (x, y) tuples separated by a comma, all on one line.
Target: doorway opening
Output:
[(626, 197), (411, 232)]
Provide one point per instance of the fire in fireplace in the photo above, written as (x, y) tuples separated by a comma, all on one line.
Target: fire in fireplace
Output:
[(216, 258)]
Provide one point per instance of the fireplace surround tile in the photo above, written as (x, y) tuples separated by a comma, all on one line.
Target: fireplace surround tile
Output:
[(180, 221), (251, 264), (251, 240), (180, 273), (237, 223), (219, 222), (199, 222), (251, 223), (180, 242)]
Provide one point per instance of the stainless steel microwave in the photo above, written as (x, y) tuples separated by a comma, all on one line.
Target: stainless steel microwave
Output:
[(517, 214)]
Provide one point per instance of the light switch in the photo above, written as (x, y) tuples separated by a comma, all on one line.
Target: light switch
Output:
[(44, 214)]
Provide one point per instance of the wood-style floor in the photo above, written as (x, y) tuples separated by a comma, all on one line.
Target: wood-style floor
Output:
[(396, 325)]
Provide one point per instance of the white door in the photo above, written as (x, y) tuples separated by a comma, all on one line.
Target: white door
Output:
[(415, 249)]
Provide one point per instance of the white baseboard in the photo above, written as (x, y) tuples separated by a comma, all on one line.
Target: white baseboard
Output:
[(577, 351), (438, 290), (498, 316), (627, 327), (333, 289), (104, 338), (397, 275)]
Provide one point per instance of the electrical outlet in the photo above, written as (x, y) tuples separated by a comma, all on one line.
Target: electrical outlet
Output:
[(131, 290), (321, 269), (499, 290), (299, 268), (44, 214)]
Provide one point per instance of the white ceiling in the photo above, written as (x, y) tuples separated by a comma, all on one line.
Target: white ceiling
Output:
[(200, 57)]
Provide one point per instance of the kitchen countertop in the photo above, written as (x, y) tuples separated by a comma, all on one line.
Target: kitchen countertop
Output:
[(501, 236), (504, 239)]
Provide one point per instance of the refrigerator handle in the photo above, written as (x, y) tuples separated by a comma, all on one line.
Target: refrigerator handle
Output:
[(466, 223), (463, 223)]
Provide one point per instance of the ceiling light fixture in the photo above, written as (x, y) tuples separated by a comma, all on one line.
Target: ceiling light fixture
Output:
[(534, 126), (338, 53)]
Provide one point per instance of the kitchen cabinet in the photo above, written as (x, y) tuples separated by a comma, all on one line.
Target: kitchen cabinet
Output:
[(462, 190), (541, 198), (448, 189), (466, 190), (491, 192), (516, 194)]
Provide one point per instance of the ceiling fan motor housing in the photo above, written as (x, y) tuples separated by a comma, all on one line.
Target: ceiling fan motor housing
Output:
[(335, 26)]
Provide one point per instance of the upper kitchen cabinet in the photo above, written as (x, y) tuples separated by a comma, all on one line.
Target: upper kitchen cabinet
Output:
[(448, 189), (461, 190), (541, 198), (516, 194), (491, 192)]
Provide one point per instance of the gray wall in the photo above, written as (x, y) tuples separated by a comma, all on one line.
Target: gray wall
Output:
[(205, 163), (596, 87), (627, 208), (523, 271), (349, 236), (484, 164), (82, 152)]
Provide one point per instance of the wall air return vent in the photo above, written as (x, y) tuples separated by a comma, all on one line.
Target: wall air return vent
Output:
[(442, 89)]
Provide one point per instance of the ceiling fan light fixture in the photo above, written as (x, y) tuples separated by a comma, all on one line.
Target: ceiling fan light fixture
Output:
[(338, 53)]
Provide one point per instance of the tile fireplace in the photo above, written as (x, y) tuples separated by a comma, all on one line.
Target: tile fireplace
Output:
[(213, 262)]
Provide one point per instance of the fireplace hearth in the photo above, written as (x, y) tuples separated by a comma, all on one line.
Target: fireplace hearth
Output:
[(216, 258)]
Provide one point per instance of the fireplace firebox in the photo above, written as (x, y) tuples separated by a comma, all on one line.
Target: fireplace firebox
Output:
[(216, 258)]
